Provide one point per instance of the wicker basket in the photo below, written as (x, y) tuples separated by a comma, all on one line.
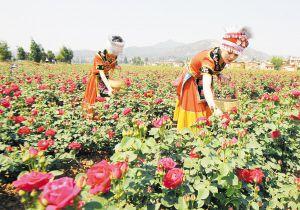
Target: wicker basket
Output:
[(116, 84), (226, 105)]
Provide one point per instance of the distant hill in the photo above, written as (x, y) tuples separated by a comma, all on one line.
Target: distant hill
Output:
[(170, 50)]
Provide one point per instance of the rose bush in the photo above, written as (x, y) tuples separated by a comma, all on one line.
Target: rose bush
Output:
[(247, 158)]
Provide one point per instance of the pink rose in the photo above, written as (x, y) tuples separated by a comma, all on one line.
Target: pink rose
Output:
[(98, 177), (32, 180), (60, 193), (50, 132), (173, 178), (33, 152), (29, 101), (74, 145), (127, 111), (166, 164)]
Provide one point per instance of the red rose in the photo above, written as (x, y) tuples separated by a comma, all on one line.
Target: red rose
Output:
[(24, 130), (193, 154), (9, 149), (32, 180), (115, 116), (275, 134), (127, 82), (50, 142), (60, 193), (244, 175), (295, 93), (60, 112), (5, 103), (158, 101), (256, 175), (17, 94), (29, 101), (43, 144), (275, 98), (98, 177), (74, 145), (173, 178), (18, 119), (15, 87), (100, 99), (34, 112), (40, 129), (166, 164), (127, 111), (50, 132), (111, 134), (250, 175)]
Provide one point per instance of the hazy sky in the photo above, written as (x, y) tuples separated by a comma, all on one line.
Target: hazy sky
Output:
[(86, 24)]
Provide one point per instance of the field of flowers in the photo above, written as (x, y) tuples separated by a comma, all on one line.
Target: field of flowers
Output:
[(132, 157)]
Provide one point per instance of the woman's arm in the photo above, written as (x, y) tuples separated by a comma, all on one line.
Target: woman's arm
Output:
[(207, 80), (105, 81)]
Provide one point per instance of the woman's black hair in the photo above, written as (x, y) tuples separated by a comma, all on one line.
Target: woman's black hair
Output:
[(117, 39)]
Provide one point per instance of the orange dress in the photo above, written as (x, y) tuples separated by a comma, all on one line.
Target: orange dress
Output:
[(103, 61), (191, 103)]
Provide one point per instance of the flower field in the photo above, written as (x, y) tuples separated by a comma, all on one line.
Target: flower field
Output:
[(132, 157)]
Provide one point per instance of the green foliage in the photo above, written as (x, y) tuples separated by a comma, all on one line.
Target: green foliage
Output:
[(137, 61), (50, 55), (277, 62), (21, 54), (5, 54), (65, 55), (36, 53)]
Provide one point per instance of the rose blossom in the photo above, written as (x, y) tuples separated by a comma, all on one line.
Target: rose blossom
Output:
[(166, 164), (173, 178), (59, 193), (98, 177), (32, 180)]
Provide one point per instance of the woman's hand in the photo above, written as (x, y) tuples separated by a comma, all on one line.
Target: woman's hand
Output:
[(218, 112)]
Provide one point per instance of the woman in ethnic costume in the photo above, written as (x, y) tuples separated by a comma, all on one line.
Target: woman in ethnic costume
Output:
[(104, 62), (194, 85)]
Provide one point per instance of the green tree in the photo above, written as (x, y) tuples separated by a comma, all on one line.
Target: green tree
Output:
[(65, 55), (125, 60), (35, 52), (21, 54), (277, 62), (44, 54), (137, 61), (5, 54), (50, 55)]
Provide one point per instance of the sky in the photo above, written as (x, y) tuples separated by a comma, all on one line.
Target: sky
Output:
[(80, 24)]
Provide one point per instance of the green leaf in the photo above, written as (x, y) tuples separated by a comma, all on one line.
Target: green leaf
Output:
[(56, 173), (182, 205), (203, 193)]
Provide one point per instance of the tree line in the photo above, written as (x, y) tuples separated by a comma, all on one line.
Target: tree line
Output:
[(36, 53)]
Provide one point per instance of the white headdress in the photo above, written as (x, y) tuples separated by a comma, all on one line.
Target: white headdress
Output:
[(116, 44)]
